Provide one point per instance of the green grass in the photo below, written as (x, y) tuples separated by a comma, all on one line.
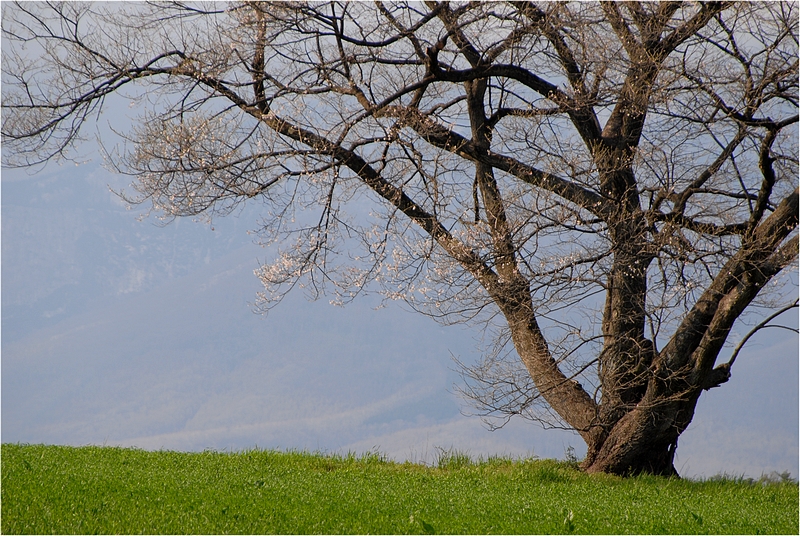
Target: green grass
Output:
[(50, 489)]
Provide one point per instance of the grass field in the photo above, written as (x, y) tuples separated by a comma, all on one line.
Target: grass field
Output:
[(50, 489)]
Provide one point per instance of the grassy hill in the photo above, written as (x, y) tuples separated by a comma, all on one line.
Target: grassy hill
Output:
[(51, 489)]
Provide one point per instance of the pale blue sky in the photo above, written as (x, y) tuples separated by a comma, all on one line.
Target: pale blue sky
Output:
[(117, 331)]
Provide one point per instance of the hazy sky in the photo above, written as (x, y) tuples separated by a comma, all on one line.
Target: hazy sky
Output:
[(118, 331), (121, 332)]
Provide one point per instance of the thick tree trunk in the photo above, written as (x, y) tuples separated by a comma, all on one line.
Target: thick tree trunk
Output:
[(644, 441), (649, 459), (646, 438), (631, 459)]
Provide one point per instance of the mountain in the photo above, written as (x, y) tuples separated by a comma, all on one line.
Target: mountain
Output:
[(119, 331)]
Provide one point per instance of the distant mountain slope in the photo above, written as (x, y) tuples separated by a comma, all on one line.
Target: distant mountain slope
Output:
[(115, 330), (67, 241)]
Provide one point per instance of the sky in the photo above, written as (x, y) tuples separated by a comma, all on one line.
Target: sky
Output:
[(117, 330)]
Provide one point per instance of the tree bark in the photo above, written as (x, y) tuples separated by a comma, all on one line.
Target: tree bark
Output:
[(643, 441)]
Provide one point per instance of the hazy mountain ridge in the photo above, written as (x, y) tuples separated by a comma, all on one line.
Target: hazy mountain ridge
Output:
[(67, 242), (117, 331)]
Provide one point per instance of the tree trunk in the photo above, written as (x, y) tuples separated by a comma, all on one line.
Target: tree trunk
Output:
[(646, 438), (627, 458), (633, 447)]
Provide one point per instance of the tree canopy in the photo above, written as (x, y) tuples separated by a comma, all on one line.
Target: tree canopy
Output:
[(607, 187)]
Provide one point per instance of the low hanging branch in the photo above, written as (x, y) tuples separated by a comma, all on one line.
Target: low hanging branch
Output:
[(762, 325)]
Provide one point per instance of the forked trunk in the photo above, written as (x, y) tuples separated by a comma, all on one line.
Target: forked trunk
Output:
[(629, 438)]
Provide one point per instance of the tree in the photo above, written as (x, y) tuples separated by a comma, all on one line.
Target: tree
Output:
[(605, 187)]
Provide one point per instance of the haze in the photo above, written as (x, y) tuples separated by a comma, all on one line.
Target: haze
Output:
[(118, 331)]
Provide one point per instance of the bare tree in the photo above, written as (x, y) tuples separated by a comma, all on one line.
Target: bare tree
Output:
[(605, 187)]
